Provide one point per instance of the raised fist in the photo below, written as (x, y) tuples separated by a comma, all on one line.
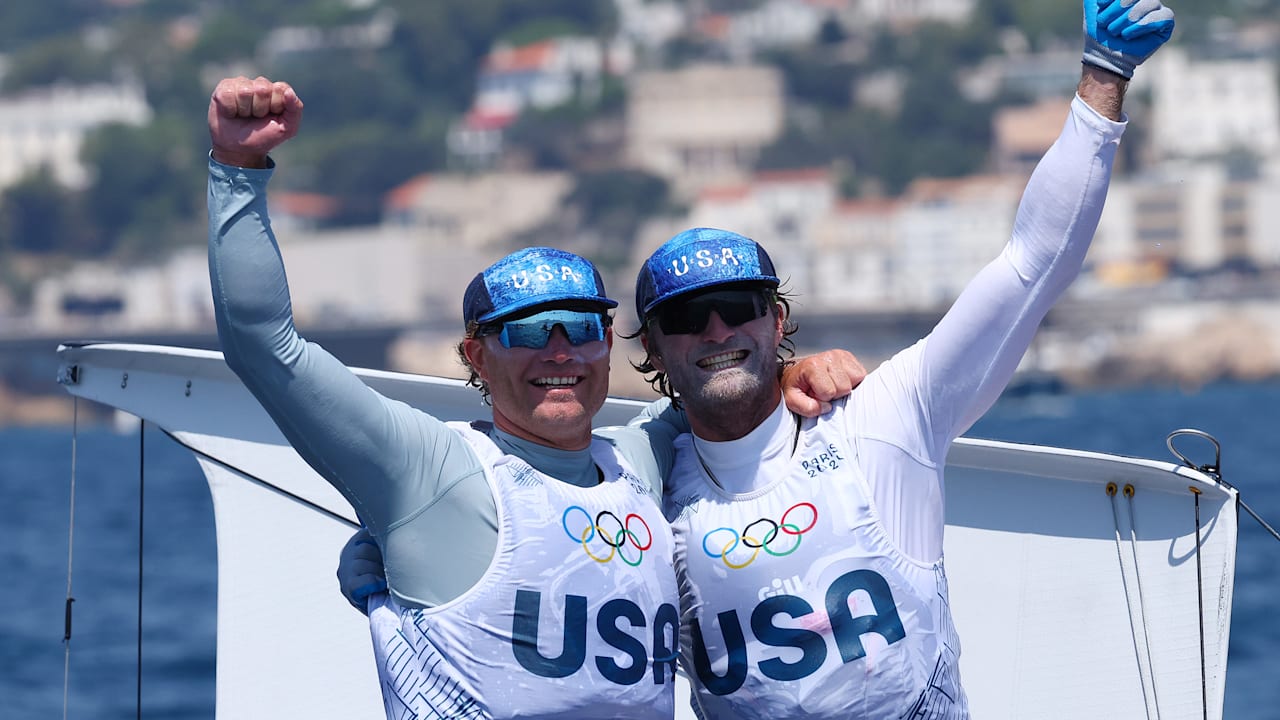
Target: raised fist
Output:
[(1121, 34), (250, 118)]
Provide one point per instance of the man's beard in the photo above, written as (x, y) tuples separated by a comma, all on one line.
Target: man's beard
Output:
[(729, 391)]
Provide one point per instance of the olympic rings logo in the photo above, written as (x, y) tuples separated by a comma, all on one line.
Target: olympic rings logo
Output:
[(723, 543), (621, 537)]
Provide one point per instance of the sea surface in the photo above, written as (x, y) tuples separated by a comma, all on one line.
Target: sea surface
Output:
[(178, 569)]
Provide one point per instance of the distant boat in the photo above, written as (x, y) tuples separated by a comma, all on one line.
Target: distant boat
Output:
[(1083, 585), (1034, 384)]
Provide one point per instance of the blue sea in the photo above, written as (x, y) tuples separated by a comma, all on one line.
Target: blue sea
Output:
[(179, 563)]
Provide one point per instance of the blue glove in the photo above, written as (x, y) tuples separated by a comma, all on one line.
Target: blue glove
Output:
[(1120, 34), (360, 571)]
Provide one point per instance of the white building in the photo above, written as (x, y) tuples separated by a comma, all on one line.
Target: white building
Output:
[(356, 276), (778, 209), (476, 212), (948, 230), (47, 126), (703, 125), (1208, 107), (94, 298), (1192, 214), (650, 24), (855, 258), (908, 12), (548, 73), (775, 24)]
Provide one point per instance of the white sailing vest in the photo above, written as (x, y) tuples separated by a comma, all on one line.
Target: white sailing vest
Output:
[(796, 604), (574, 618)]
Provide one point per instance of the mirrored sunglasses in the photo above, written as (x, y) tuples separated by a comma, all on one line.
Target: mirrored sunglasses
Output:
[(534, 331), (735, 307)]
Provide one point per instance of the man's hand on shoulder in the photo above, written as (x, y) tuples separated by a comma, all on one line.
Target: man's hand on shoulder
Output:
[(250, 118), (811, 383)]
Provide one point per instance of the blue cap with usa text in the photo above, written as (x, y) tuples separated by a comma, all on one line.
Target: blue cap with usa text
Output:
[(530, 277), (700, 258)]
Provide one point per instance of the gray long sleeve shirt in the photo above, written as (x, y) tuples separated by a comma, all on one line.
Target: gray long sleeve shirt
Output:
[(409, 477)]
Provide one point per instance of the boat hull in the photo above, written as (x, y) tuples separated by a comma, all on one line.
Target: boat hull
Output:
[(1070, 602)]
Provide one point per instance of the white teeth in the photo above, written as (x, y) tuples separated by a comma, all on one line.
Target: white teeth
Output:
[(556, 381), (723, 360)]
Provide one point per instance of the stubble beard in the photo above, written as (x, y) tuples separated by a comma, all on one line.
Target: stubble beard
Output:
[(728, 399)]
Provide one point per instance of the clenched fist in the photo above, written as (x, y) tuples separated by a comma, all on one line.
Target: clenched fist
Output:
[(250, 118)]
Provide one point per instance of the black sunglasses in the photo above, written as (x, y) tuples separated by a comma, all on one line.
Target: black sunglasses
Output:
[(735, 307)]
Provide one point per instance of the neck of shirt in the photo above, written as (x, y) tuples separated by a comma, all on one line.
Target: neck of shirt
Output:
[(571, 466), (754, 460)]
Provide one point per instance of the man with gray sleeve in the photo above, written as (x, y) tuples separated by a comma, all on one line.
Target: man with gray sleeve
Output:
[(578, 557), (501, 539)]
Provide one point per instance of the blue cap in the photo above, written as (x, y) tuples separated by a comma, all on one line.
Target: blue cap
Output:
[(700, 258), (529, 277)]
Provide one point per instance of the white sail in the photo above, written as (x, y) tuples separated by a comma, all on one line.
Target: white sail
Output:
[(1063, 612)]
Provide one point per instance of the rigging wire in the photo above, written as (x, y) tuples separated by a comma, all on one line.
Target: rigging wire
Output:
[(1204, 683), (1129, 492), (1112, 489), (1255, 515), (71, 536), (263, 482), (142, 465), (1214, 470)]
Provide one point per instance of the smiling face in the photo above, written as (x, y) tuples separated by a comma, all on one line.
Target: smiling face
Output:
[(545, 395), (727, 375)]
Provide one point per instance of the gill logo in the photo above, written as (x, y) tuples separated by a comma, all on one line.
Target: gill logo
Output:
[(612, 533), (776, 537), (544, 273), (703, 259)]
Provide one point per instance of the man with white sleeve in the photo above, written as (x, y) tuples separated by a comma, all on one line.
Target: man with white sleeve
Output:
[(809, 552)]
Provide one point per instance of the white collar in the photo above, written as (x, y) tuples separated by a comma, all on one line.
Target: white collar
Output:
[(736, 465)]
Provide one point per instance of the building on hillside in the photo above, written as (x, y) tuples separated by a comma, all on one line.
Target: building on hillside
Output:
[(907, 13), (703, 125), (302, 211), (855, 258), (1022, 135), (47, 126), (776, 208), (948, 230), (546, 74), (539, 75), (1207, 107), (353, 277), (1190, 216), (89, 298), (650, 24), (288, 42), (476, 212), (771, 25), (1053, 73), (475, 142)]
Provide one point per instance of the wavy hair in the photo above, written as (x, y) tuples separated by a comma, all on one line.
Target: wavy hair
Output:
[(659, 381)]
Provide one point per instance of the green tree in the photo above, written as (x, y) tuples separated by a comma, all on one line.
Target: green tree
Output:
[(558, 138), (615, 203), (60, 59), (813, 79), (147, 186), (38, 215), (360, 162), (439, 44), (26, 23)]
